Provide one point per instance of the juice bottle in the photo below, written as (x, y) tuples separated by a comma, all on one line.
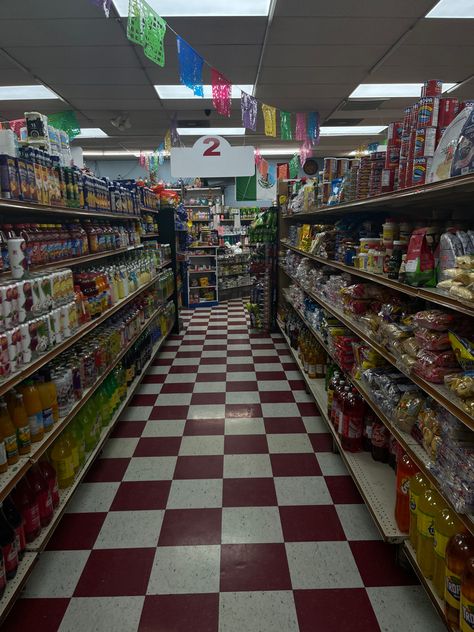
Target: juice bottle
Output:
[(8, 432), (406, 470), (343, 400), (446, 525), (34, 410), (353, 422), (379, 441), (49, 475), (40, 487), (78, 434), (15, 520), (466, 611), (48, 395), (19, 418), (429, 504), (3, 456), (418, 485), (338, 389), (46, 403), (26, 503), (312, 360), (369, 417), (8, 544), (458, 551), (62, 461)]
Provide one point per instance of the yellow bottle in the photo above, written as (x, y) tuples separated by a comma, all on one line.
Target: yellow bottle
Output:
[(46, 399), (62, 461), (7, 429), (429, 504), (49, 394), (312, 362), (19, 418), (418, 484), (74, 447), (34, 410), (446, 525)]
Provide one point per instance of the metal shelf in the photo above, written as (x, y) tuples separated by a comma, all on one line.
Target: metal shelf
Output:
[(16, 206), (448, 193), (437, 392), (434, 295), (150, 235), (375, 481)]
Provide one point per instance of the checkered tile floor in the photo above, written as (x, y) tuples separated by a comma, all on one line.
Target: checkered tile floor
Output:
[(218, 505)]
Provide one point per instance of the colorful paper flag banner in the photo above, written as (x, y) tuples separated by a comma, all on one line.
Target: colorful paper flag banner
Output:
[(301, 131), (190, 67), (249, 107), (104, 4), (258, 157), (283, 171), (269, 118), (305, 151), (294, 166), (221, 93), (313, 127), (285, 126), (67, 121), (263, 168)]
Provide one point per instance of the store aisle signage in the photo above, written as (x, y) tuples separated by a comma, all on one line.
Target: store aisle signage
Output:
[(212, 157)]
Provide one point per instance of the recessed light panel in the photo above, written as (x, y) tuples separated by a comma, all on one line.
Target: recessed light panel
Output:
[(26, 93), (92, 132), (352, 130), (183, 92), (202, 8), (391, 90), (219, 131), (463, 9)]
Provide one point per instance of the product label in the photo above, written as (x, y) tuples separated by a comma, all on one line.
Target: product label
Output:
[(440, 543), (413, 501), (48, 419), (452, 593), (10, 556), (11, 447), (425, 524), (466, 619), (64, 468), (45, 504), (3, 454), (23, 437), (36, 423), (405, 485), (31, 517)]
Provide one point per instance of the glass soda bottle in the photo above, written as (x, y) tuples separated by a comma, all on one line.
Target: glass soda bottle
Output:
[(379, 442), (446, 525), (458, 551), (26, 503), (43, 495), (429, 504), (49, 475), (406, 470), (466, 611), (8, 544), (418, 485), (15, 520), (8, 432)]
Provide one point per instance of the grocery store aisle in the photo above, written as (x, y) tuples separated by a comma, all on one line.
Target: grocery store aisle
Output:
[(218, 505)]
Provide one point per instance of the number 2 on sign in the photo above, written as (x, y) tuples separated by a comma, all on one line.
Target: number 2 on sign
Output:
[(214, 144)]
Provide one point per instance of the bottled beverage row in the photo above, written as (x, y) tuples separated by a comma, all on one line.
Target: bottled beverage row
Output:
[(33, 407), (39, 313), (30, 507)]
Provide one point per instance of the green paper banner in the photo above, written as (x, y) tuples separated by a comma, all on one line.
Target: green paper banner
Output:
[(67, 121), (146, 28), (246, 188), (285, 126), (294, 166)]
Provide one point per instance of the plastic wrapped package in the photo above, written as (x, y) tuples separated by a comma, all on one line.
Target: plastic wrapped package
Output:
[(432, 340), (461, 384), (435, 319), (466, 262), (411, 346), (407, 410), (454, 469), (461, 292), (431, 372), (437, 358), (450, 246)]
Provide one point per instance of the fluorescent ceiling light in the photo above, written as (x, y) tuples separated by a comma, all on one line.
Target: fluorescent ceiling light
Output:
[(219, 131), (26, 93), (202, 8), (388, 90), (92, 132), (106, 153), (352, 130), (452, 9), (279, 151), (182, 92)]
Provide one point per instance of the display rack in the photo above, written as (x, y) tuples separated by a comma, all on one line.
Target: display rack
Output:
[(196, 289), (16, 208)]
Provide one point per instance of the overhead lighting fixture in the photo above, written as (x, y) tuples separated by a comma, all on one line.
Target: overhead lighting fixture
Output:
[(462, 9), (182, 92), (26, 93), (91, 132), (351, 130), (112, 153), (218, 131), (201, 8), (391, 90), (279, 151)]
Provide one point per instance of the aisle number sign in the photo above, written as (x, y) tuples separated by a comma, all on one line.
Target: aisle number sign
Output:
[(212, 157)]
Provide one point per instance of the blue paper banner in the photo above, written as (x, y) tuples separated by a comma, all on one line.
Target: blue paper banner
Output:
[(190, 67), (313, 127)]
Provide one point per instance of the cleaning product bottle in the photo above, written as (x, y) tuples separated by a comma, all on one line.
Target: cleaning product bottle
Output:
[(7, 429)]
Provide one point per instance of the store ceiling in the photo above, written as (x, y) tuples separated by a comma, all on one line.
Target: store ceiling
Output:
[(315, 54)]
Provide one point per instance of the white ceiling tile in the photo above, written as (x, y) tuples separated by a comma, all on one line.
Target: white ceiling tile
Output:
[(71, 57), (77, 32), (335, 56), (361, 8)]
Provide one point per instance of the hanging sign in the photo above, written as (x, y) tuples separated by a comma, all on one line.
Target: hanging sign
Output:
[(212, 157)]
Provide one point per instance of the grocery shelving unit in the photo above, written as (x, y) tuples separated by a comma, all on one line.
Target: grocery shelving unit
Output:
[(429, 201), (15, 208), (192, 273)]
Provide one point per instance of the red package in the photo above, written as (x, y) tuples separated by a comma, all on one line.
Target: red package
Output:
[(435, 319), (431, 373), (437, 358), (432, 340)]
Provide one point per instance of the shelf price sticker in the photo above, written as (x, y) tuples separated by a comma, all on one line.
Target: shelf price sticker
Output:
[(211, 157)]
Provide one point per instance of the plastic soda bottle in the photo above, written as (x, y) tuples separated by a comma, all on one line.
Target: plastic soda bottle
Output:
[(62, 461), (352, 422), (8, 544), (429, 504), (26, 503), (78, 436), (406, 470), (459, 549), (8, 432), (418, 484), (49, 475), (49, 401), (43, 496), (19, 418), (15, 520), (34, 410), (466, 611), (446, 525), (70, 438)]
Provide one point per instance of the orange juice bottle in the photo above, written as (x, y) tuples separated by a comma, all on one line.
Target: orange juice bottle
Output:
[(47, 397), (34, 410), (62, 461), (429, 504), (9, 434), (446, 525), (53, 396), (20, 421), (418, 484)]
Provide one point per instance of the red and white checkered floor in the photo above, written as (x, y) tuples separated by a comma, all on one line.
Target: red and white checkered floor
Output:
[(217, 505)]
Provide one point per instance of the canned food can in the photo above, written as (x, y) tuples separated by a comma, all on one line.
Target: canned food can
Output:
[(12, 350), (26, 343), (394, 132), (17, 256)]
